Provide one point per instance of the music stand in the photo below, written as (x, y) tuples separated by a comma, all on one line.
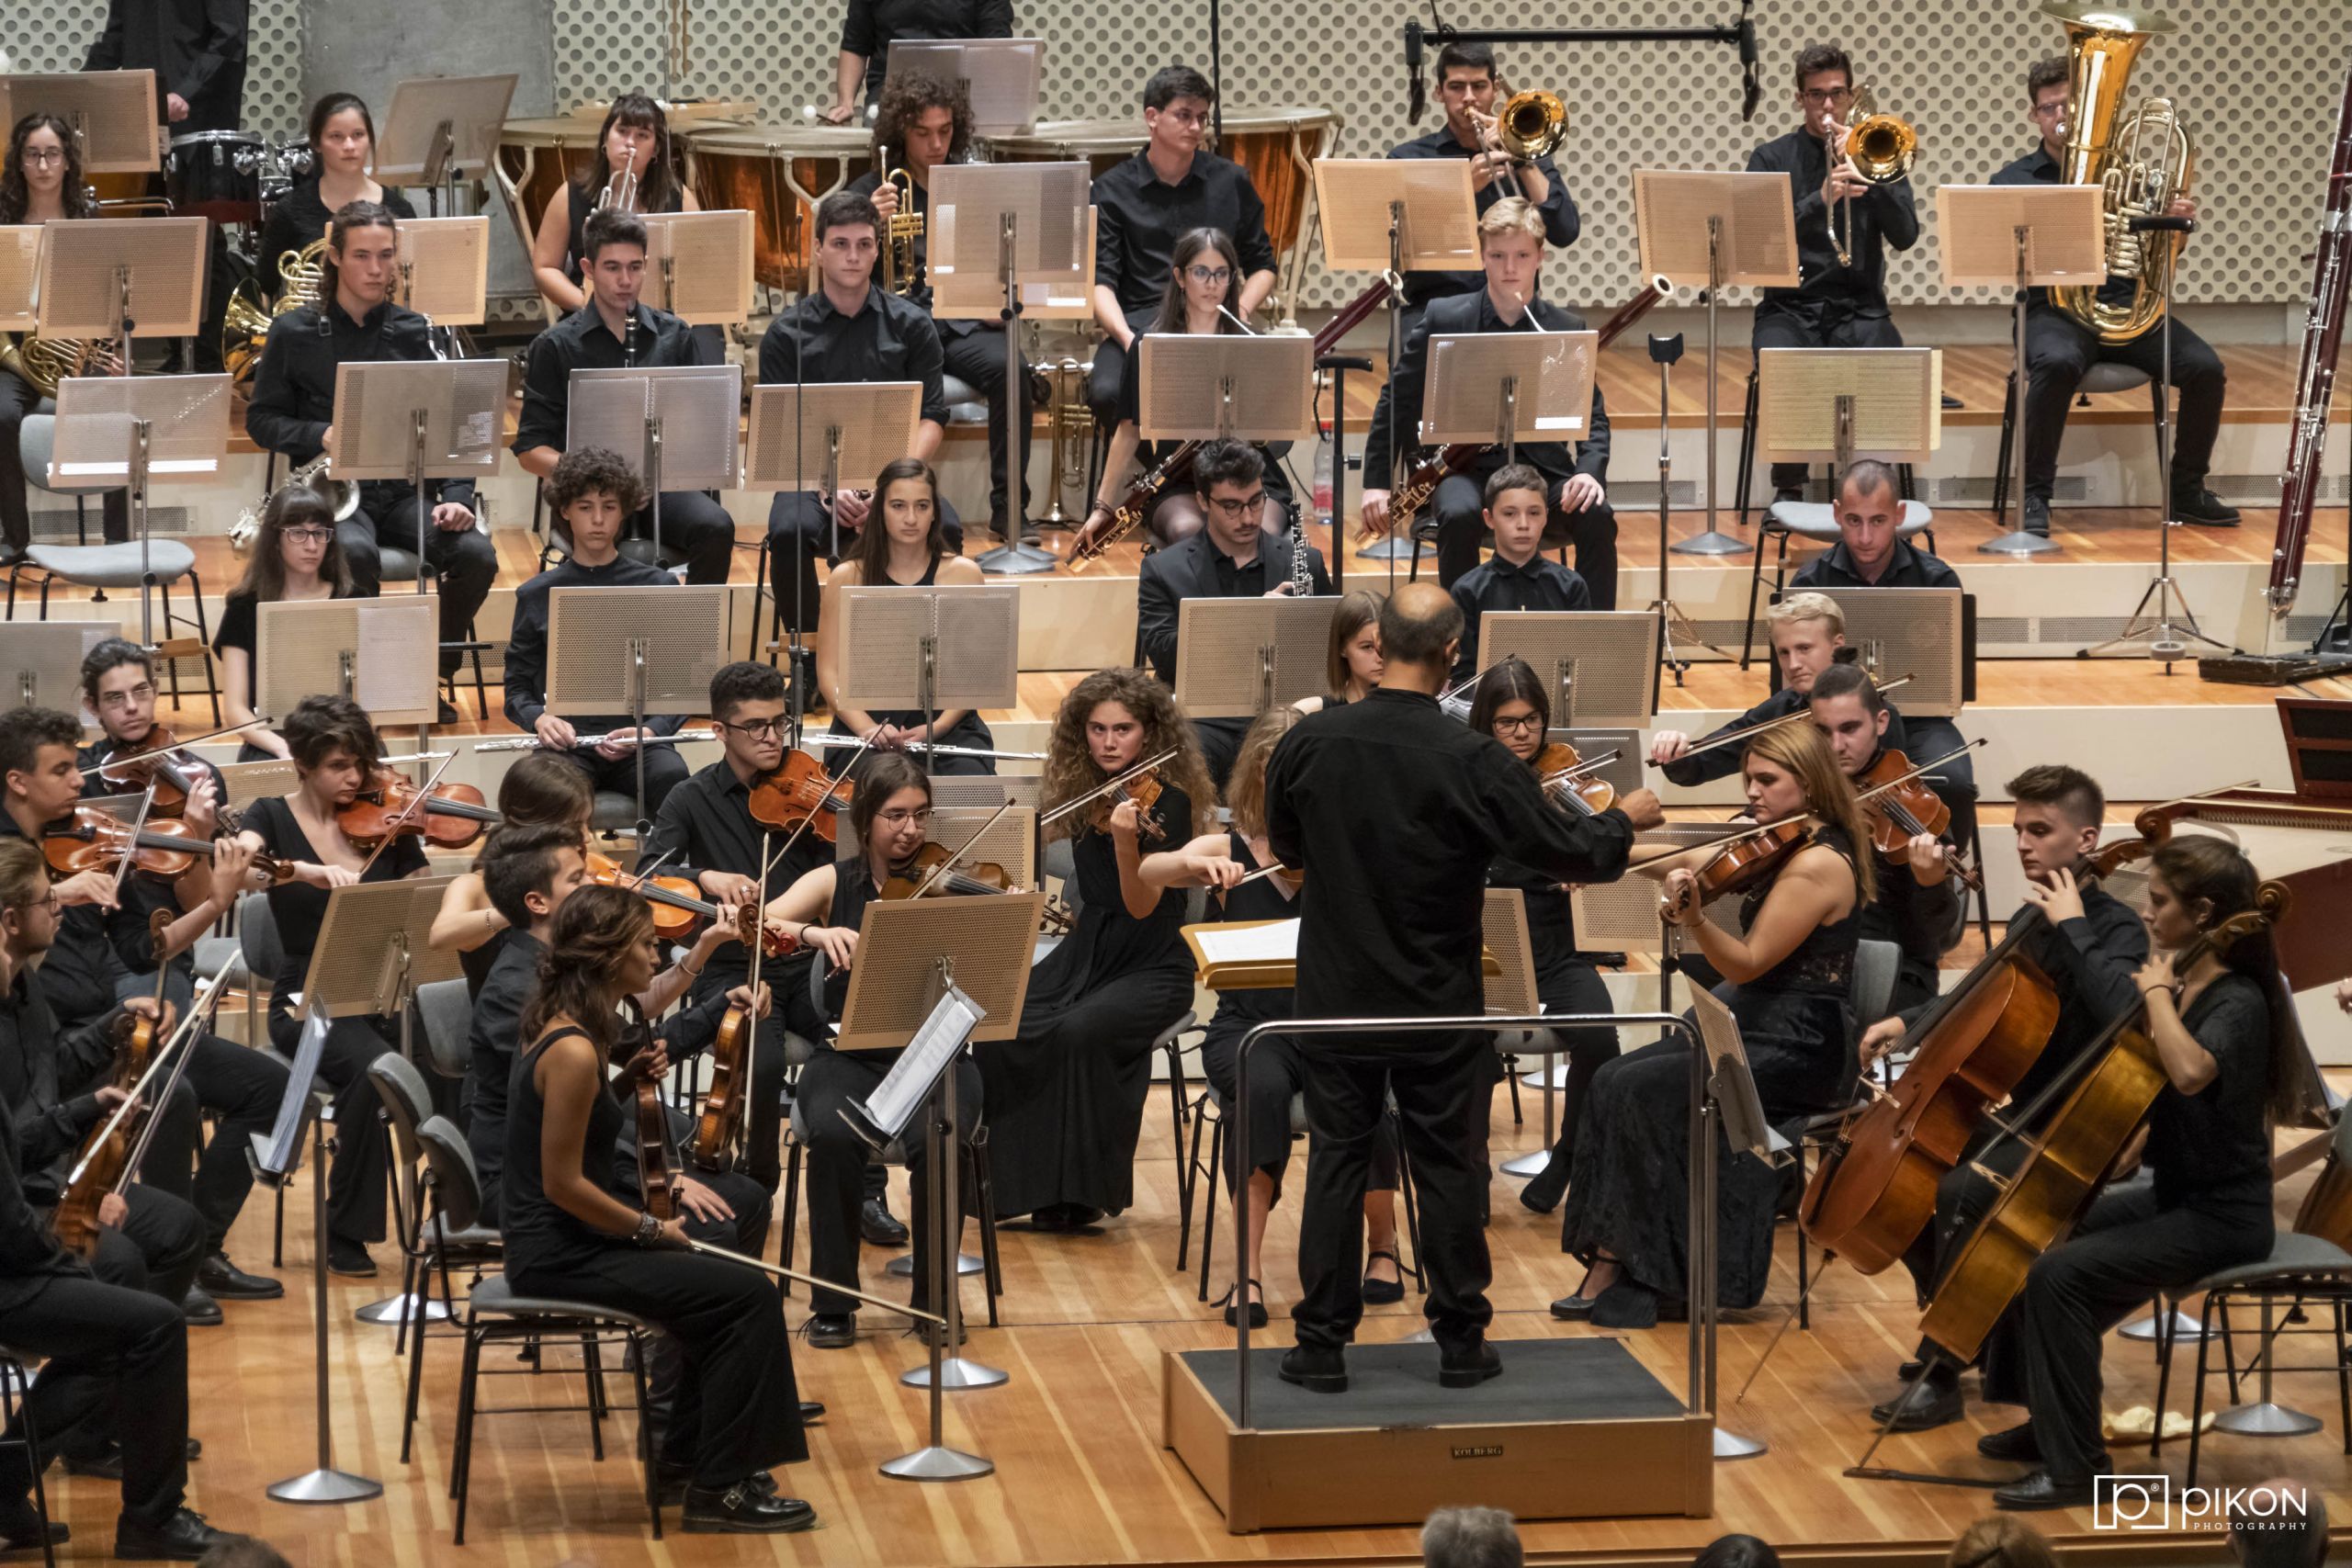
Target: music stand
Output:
[(1600, 666), (445, 269), (680, 420), (909, 952), (1237, 658), (19, 273), (1028, 223), (113, 114), (1839, 404), (418, 419), (440, 129), (1231, 386), (968, 297), (605, 655), (1724, 1093), (1507, 388), (370, 645), (998, 77), (700, 266), (930, 649), (1928, 634), (129, 277), (1705, 229), (132, 428), (40, 661), (1393, 216), (1503, 928), (2015, 237)]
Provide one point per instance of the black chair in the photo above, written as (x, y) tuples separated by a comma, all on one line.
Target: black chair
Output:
[(16, 1384), (1877, 964)]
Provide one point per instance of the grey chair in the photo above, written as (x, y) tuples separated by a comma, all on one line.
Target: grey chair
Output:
[(16, 1385), (2106, 376), (448, 1015), (440, 1243), (264, 955)]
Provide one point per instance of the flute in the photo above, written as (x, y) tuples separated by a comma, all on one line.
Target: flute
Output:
[(937, 748), (533, 743)]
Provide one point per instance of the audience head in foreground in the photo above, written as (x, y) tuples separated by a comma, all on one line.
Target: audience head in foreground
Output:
[(1470, 1538)]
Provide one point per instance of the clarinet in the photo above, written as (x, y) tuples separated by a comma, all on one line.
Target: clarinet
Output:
[(1302, 571), (628, 342)]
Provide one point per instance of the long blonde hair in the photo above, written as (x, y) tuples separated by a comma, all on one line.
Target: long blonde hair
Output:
[(1069, 762), (1244, 787), (1804, 751)]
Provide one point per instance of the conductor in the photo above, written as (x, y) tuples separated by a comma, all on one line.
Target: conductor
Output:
[(1398, 937)]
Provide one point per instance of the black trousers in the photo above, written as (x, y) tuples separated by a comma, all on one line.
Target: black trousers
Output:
[(1571, 988), (977, 358), (1818, 325), (839, 1164), (1220, 743), (737, 1410), (362, 1145), (764, 1111), (243, 1088), (465, 559), (800, 534), (2044, 1353), (118, 1363), (696, 524), (1462, 527), (664, 771), (1441, 1096), (2059, 350)]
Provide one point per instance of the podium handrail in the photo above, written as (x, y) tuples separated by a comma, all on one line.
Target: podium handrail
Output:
[(1700, 1264)]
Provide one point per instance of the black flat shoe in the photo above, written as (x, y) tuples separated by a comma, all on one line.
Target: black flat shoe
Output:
[(224, 1280), (1573, 1309), (1625, 1306), (1316, 1369), (833, 1331), (811, 1410), (2203, 508), (2037, 517), (1928, 1408), (744, 1508), (349, 1258), (183, 1538), (1467, 1366), (1233, 1311), (2040, 1491), (877, 1226), (2014, 1446), (1382, 1292)]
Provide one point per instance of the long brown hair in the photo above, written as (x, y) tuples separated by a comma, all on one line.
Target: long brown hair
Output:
[(1828, 794), (294, 506), (658, 184), (1356, 610), (1196, 244), (1070, 762), (2198, 867), (872, 555), (16, 197), (1244, 787), (594, 931), (544, 789)]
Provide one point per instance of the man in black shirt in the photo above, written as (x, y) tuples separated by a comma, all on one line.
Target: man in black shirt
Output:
[(846, 330), (196, 50), (2088, 944), (1517, 576), (292, 413), (1808, 631), (1835, 304), (1396, 934), (870, 27), (1510, 244), (1230, 558), (610, 332), (1468, 81), (921, 126), (2059, 349), (595, 491), (1148, 203)]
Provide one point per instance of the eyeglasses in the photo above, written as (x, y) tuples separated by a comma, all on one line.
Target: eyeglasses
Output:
[(759, 729), (921, 818), (1236, 509), (143, 693), (1827, 94), (309, 535), (44, 155), (1532, 721), (2050, 110), (1212, 276)]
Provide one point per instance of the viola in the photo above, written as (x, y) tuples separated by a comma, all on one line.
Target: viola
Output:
[(1903, 811), (1754, 860), (92, 840), (452, 817), (985, 877), (1583, 796), (720, 1127), (105, 1154), (1143, 791), (800, 792)]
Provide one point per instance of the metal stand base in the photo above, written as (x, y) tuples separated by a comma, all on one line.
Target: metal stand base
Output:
[(2019, 543), (2266, 1420), (957, 1371), (2166, 638), (937, 1464), (421, 1309), (1016, 561), (2186, 1330), (1534, 1163), (904, 1268), (326, 1486), (1394, 548), (1731, 1445), (1712, 543)]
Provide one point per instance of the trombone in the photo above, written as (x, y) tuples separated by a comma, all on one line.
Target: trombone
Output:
[(1529, 125), (1881, 148)]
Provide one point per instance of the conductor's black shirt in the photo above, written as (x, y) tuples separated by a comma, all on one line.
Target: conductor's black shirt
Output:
[(1139, 218), (1561, 221), (1886, 213), (582, 342), (1396, 932)]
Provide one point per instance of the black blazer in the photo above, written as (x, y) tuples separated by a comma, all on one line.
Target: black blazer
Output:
[(1453, 316), (197, 48), (1188, 570)]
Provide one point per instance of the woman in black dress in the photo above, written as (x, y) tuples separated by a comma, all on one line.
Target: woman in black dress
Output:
[(1352, 662), (635, 159), (1277, 1072), (1510, 705), (568, 1234), (1066, 1095), (903, 543), (336, 750), (1789, 982), (295, 557), (343, 159)]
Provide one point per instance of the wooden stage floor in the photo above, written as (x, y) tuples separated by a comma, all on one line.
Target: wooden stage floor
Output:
[(1081, 1476)]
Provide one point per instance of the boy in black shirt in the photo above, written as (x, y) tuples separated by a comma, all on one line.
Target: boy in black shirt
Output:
[(1516, 577)]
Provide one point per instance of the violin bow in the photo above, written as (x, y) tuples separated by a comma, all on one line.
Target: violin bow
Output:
[(1277, 869), (1590, 765), (901, 1308), (154, 1065), (208, 1001), (943, 867), (113, 762), (131, 849), (1733, 737), (1107, 787), (416, 804)]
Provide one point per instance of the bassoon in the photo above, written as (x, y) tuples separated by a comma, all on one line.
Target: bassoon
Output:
[(2322, 340)]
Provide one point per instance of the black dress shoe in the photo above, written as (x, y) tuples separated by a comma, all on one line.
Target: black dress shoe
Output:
[(744, 1508), (224, 1279), (1929, 1407), (2014, 1446), (183, 1538), (878, 1225), (1382, 1292), (2037, 517), (21, 1529), (349, 1258), (832, 1330), (672, 1482), (811, 1410), (1316, 1369), (445, 711), (2041, 1489), (2203, 508), (1952, 403), (200, 1309), (1467, 1366)]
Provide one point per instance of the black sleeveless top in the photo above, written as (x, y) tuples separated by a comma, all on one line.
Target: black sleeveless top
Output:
[(540, 1233), (1822, 964), (582, 206), (1260, 900), (854, 889)]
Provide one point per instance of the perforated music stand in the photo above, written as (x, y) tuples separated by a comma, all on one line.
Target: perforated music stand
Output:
[(971, 297), (1600, 666), (365, 649), (1503, 928), (1705, 229), (418, 419), (128, 277), (40, 661), (2016, 237), (700, 265), (112, 113), (445, 268), (1237, 658), (1395, 216), (635, 650), (1727, 1097), (19, 273), (1229, 384), (132, 428), (680, 420), (931, 648), (998, 77), (909, 951), (1840, 404), (1928, 634), (1507, 388), (442, 129)]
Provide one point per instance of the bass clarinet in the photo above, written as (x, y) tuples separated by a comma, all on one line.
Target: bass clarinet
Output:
[(2322, 340)]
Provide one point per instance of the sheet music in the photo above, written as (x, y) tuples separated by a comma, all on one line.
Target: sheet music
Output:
[(905, 1086), (1276, 942), (282, 1154), (392, 677), (449, 263)]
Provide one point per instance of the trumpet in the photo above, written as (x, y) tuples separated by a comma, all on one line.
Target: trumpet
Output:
[(620, 188), (900, 231), (1881, 148)]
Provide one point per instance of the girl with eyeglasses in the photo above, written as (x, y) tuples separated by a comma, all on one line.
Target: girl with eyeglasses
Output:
[(296, 558), (1203, 297)]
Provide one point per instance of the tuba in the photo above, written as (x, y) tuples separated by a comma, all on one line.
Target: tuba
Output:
[(245, 329), (2142, 161), (1881, 147)]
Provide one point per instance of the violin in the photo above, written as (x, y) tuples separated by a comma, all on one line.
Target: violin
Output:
[(173, 782), (677, 904), (92, 840), (799, 792), (1903, 811), (1587, 796), (105, 1154), (452, 817), (987, 877), (1741, 866), (1143, 791), (720, 1127)]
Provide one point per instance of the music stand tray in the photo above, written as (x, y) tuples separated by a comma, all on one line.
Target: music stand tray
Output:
[(680, 420), (1242, 388), (1509, 387), (445, 268), (999, 76), (40, 661), (1237, 658), (967, 296), (635, 650), (1419, 215), (186, 419), (364, 649), (931, 648), (1750, 215), (373, 952), (988, 944), (2065, 235), (1599, 666), (699, 266), (451, 120), (1927, 634), (1732, 1085), (128, 277), (112, 112), (1837, 404)]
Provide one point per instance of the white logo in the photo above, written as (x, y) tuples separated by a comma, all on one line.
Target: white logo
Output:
[(2150, 1503), (2131, 1502)]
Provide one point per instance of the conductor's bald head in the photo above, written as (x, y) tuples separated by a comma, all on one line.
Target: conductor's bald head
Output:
[(1419, 628)]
